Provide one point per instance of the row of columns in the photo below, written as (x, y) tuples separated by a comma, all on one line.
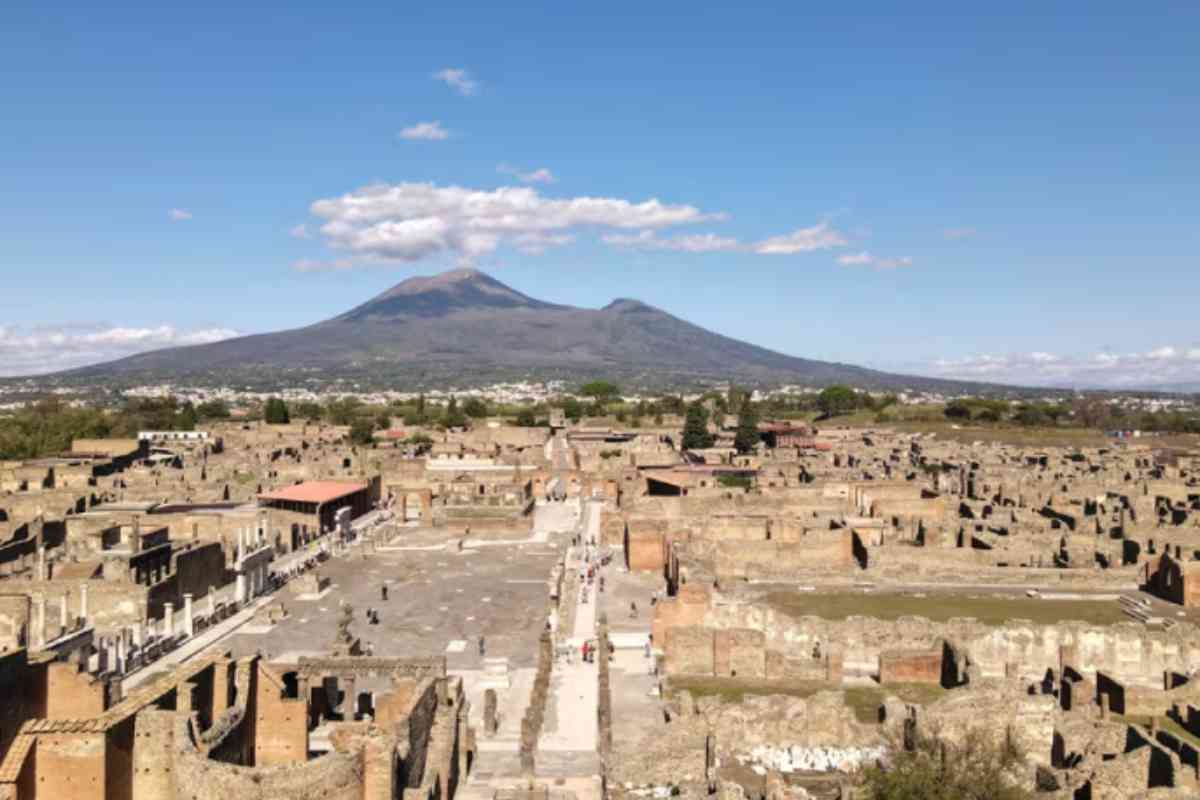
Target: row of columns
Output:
[(40, 617)]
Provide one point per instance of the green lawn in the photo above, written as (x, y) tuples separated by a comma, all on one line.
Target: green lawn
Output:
[(866, 700), (940, 608)]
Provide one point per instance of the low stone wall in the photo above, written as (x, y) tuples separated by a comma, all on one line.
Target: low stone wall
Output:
[(332, 775), (535, 714), (1130, 651), (604, 711)]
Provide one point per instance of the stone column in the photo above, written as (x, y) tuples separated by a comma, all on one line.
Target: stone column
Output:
[(119, 655), (168, 620), (189, 628), (350, 704), (212, 601), (240, 590), (41, 563), (64, 613), (137, 634), (39, 627), (83, 602)]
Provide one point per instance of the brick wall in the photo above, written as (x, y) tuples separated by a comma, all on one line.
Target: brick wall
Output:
[(72, 693), (647, 552), (907, 666), (280, 723)]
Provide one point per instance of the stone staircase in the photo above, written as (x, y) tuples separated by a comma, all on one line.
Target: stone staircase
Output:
[(1140, 610), (495, 674)]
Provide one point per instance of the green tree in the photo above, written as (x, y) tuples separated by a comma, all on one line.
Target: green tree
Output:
[(957, 409), (572, 409), (475, 407), (187, 418), (213, 409), (307, 409), (454, 417), (988, 415), (275, 412), (735, 397), (600, 391), (885, 401), (836, 400), (362, 431), (526, 418), (746, 438), (342, 411), (1030, 415), (976, 766), (695, 428), (1091, 411)]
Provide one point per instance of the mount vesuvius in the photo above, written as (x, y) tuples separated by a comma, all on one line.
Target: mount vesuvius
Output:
[(465, 327)]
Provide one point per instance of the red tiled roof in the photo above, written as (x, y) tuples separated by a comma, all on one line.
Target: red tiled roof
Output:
[(314, 491)]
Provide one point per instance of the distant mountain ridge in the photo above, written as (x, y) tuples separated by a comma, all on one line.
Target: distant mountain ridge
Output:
[(464, 328)]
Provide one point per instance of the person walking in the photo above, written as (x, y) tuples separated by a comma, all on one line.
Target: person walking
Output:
[(383, 592), (481, 647)]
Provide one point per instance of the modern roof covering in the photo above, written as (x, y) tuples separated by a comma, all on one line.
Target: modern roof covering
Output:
[(314, 491)]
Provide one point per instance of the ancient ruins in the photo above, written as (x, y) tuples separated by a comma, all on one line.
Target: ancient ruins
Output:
[(583, 611)]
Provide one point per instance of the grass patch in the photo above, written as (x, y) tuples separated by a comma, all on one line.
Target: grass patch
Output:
[(734, 690), (865, 701), (940, 608)]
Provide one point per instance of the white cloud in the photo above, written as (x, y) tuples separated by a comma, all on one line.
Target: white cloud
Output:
[(458, 79), (1165, 367), (856, 259), (300, 232), (425, 132), (178, 215), (538, 243), (865, 259), (691, 243), (1162, 354), (412, 221), (318, 265), (50, 349), (959, 233), (540, 175), (802, 240)]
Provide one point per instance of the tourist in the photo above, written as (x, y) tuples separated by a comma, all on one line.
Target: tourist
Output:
[(633, 610), (383, 591)]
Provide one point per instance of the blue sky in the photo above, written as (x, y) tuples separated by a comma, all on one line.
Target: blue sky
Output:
[(1005, 194)]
